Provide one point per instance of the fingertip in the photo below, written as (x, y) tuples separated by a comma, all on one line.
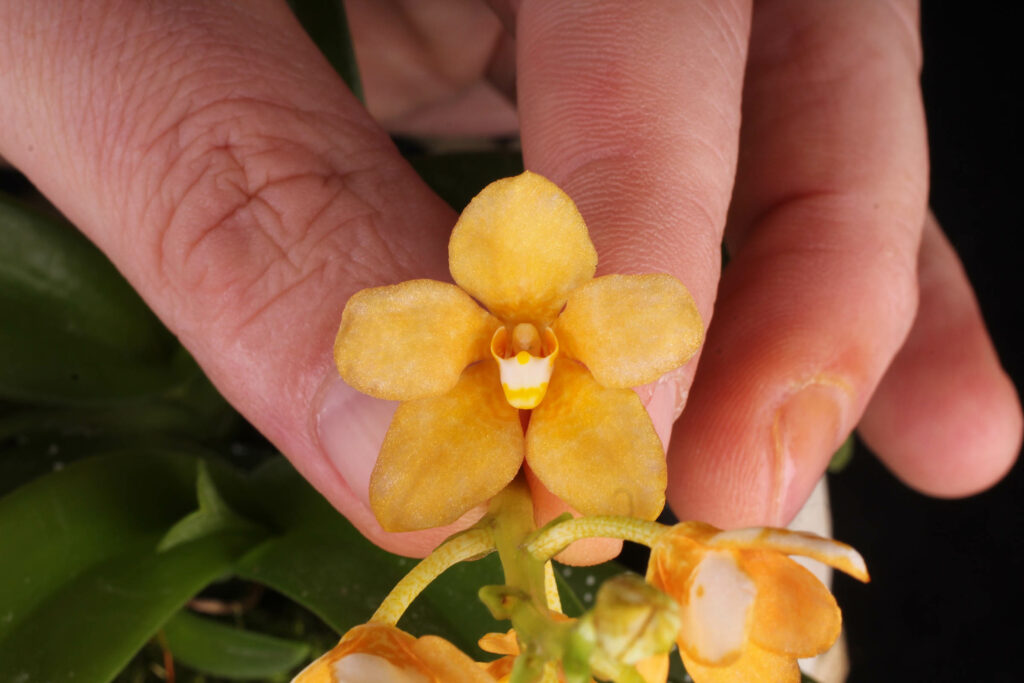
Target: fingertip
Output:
[(949, 431), (946, 419)]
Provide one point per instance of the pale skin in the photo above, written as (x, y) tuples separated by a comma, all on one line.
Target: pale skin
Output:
[(211, 152)]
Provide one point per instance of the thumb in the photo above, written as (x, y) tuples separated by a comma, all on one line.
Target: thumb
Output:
[(212, 153)]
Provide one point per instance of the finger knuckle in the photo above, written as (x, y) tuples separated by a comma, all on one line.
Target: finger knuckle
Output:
[(248, 213)]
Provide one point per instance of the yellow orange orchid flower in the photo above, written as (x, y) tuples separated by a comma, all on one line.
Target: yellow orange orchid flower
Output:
[(546, 336), (380, 653), (748, 610)]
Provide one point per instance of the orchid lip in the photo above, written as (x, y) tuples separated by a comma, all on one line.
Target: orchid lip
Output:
[(525, 360)]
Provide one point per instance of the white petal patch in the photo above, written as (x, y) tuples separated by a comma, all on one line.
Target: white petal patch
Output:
[(832, 553), (721, 595), (524, 376), (361, 667)]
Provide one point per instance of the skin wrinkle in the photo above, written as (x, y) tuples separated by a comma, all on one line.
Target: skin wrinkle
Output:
[(256, 212), (725, 28), (245, 162)]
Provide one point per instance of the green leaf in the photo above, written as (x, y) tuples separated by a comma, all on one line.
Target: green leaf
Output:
[(217, 649), (842, 457), (73, 329), (458, 177), (327, 25), (89, 628), (82, 586), (61, 525), (213, 516)]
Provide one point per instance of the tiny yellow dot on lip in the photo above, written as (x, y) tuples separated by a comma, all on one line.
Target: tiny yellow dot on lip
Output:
[(523, 357)]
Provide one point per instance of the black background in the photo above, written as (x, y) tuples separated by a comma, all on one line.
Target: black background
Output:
[(946, 601)]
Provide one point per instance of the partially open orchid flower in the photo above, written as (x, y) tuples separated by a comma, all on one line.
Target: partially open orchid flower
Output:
[(379, 653), (748, 610), (552, 339)]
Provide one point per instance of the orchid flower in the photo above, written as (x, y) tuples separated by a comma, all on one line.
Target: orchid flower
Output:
[(546, 336), (748, 610)]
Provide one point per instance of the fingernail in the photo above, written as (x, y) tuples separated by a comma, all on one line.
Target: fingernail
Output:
[(665, 403), (807, 430), (351, 428)]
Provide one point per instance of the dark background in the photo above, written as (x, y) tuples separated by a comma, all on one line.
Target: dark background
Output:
[(946, 601)]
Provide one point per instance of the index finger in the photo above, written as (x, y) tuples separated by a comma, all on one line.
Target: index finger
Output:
[(634, 109)]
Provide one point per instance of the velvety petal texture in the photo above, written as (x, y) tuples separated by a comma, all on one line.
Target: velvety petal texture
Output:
[(794, 614), (445, 454), (595, 447), (410, 340), (520, 247), (630, 329), (753, 664)]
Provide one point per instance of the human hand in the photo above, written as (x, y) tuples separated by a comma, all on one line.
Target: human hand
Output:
[(211, 152)]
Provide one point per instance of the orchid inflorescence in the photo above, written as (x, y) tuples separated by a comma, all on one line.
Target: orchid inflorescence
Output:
[(542, 373)]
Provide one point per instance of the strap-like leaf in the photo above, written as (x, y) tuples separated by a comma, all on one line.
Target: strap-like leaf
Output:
[(214, 648)]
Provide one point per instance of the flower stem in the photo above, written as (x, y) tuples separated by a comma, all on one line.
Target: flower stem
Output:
[(468, 545), (551, 540), (512, 514), (551, 588)]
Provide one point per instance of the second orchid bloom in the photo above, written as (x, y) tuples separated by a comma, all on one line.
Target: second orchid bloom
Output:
[(549, 338)]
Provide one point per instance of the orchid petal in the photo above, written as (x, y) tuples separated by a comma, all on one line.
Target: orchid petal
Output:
[(595, 447), (410, 340), (675, 554), (499, 643), (630, 329), (520, 247), (794, 614), (448, 663), (831, 552), (716, 609), (375, 652), (654, 669), (445, 454), (753, 664)]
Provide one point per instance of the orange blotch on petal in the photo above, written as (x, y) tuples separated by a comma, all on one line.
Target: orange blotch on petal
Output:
[(630, 329), (520, 247), (446, 454), (595, 447), (410, 340)]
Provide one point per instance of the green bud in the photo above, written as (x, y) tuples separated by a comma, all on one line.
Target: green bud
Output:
[(631, 621)]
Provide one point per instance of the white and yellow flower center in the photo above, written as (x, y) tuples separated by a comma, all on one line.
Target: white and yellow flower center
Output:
[(525, 360)]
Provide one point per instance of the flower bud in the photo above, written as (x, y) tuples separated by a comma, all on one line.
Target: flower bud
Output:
[(631, 620)]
